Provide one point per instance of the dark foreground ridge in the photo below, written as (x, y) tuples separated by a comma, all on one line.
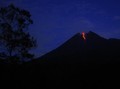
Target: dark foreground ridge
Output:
[(79, 63)]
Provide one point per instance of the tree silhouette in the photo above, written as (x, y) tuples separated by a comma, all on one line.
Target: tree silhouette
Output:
[(15, 40)]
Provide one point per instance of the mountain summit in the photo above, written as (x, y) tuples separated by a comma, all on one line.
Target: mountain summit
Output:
[(86, 47), (85, 61)]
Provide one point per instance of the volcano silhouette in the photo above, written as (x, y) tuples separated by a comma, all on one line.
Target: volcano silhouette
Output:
[(89, 62), (81, 63), (95, 49)]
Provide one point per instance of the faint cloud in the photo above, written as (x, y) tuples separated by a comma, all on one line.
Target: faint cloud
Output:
[(86, 23), (80, 24), (116, 17)]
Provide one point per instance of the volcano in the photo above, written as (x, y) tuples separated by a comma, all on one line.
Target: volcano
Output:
[(90, 48), (85, 61)]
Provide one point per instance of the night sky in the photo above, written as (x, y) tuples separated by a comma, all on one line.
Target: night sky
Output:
[(55, 21)]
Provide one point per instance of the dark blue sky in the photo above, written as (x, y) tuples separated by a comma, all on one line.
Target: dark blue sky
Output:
[(55, 21)]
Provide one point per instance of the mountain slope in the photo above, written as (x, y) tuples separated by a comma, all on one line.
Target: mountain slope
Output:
[(79, 50), (81, 63), (85, 61)]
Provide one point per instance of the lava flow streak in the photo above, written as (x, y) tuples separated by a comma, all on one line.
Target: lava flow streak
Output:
[(83, 35)]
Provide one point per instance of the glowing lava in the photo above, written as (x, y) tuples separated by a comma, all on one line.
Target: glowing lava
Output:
[(83, 35)]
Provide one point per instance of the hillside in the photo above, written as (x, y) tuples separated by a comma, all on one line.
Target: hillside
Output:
[(83, 62)]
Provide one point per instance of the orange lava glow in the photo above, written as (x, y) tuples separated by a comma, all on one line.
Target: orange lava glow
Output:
[(83, 35)]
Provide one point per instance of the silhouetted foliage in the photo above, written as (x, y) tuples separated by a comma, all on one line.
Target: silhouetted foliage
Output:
[(15, 40)]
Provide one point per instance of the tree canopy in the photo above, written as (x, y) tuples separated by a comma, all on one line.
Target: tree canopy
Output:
[(15, 40)]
